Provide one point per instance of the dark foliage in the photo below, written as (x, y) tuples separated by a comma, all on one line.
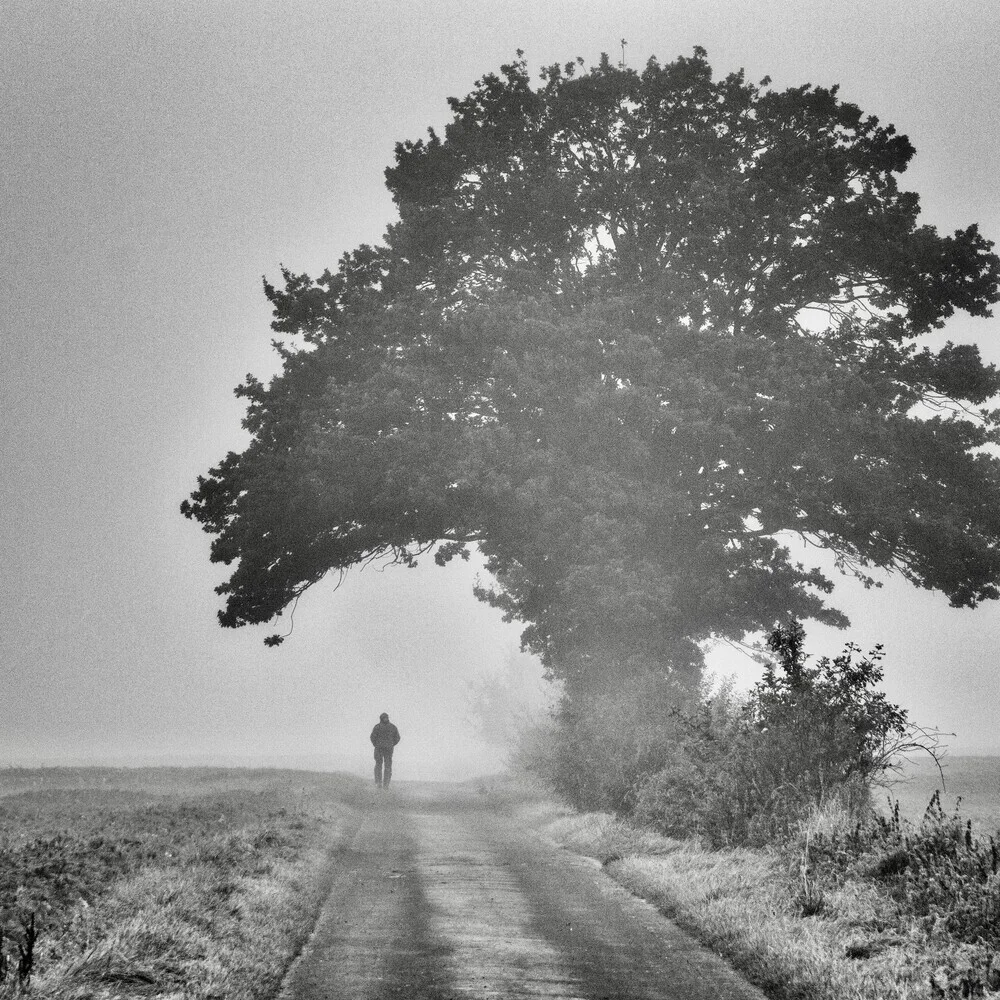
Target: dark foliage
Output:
[(631, 333)]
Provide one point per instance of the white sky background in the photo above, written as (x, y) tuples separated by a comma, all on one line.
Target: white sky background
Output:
[(158, 159)]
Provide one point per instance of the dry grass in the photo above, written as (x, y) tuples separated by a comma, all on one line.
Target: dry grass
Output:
[(169, 884), (171, 935), (739, 903), (606, 837)]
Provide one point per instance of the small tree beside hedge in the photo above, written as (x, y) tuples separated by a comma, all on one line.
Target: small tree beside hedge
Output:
[(745, 771)]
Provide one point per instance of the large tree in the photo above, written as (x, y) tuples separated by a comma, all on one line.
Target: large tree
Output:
[(630, 335)]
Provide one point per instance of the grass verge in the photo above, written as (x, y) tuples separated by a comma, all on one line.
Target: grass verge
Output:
[(793, 931)]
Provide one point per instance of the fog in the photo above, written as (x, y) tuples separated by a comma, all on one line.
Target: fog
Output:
[(162, 157)]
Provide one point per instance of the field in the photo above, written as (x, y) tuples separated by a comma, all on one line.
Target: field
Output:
[(198, 883), (973, 780)]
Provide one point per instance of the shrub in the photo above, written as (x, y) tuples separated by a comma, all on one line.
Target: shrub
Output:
[(702, 787), (747, 772), (611, 741), (736, 771), (825, 723)]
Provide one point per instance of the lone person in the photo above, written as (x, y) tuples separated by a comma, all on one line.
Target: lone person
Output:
[(384, 738)]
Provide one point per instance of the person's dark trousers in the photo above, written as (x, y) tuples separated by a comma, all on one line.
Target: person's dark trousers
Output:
[(383, 766)]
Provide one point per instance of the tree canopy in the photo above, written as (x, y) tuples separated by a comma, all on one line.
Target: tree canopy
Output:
[(631, 333)]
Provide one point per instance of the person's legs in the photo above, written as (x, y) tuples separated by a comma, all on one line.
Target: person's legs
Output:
[(378, 767), (387, 773)]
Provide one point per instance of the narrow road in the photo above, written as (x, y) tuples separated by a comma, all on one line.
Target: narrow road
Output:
[(437, 898)]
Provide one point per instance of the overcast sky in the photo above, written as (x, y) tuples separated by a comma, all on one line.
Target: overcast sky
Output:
[(159, 158)]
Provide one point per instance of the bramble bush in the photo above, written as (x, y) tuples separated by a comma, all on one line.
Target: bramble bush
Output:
[(706, 782), (732, 769)]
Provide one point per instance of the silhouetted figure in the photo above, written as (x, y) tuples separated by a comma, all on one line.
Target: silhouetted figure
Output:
[(384, 738)]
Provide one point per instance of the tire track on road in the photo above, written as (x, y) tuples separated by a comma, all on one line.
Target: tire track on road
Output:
[(479, 907), (370, 942)]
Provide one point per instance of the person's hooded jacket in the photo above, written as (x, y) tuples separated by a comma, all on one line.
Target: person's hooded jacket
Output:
[(384, 736)]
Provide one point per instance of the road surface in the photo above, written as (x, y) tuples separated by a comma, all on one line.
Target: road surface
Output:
[(439, 898)]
